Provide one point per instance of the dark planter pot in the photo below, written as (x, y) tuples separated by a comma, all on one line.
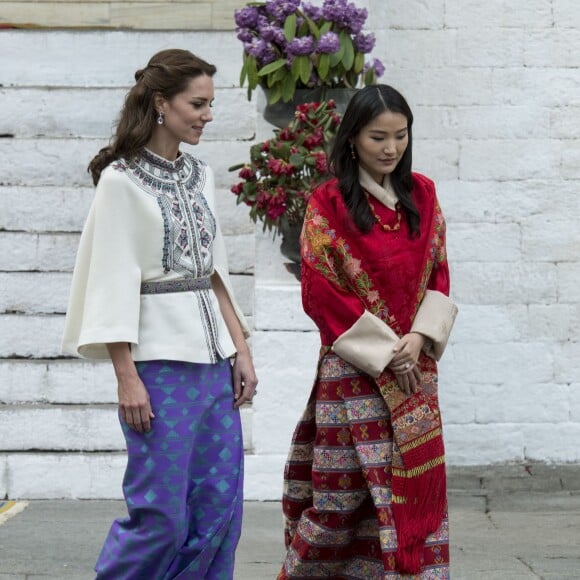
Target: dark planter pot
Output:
[(280, 114), (290, 246)]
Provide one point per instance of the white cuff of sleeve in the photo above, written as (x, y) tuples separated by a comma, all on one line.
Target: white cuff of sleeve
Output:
[(435, 319), (367, 344)]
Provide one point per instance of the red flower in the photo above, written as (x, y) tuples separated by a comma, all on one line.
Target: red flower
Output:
[(277, 203), (316, 139), (320, 161), (237, 188), (286, 135), (280, 167), (275, 211), (247, 173), (276, 188)]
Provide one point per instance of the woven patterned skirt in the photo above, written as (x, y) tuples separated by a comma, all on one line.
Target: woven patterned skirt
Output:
[(183, 483), (337, 486)]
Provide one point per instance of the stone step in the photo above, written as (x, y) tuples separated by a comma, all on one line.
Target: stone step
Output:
[(38, 112), (49, 49), (84, 428)]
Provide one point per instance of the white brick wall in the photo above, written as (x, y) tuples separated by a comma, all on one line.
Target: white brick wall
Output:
[(494, 89)]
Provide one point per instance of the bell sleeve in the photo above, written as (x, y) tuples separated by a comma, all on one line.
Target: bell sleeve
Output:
[(220, 257), (355, 334), (437, 312), (104, 302)]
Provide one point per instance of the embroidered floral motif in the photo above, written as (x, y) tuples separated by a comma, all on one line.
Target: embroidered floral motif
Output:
[(330, 255), (436, 251)]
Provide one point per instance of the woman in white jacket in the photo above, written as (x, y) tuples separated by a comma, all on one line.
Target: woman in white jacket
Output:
[(151, 292)]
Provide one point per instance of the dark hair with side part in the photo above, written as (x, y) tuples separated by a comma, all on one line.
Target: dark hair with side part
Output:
[(367, 104), (167, 74)]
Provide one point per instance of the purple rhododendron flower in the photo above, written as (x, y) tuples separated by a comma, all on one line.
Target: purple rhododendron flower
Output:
[(259, 49), (313, 12), (301, 46), (356, 18), (272, 33), (261, 30), (364, 42), (328, 43), (268, 56), (246, 17), (335, 11), (263, 20), (279, 9), (244, 34), (377, 65)]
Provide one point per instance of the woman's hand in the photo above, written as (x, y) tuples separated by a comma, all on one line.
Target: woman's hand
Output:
[(244, 378), (404, 363), (134, 403)]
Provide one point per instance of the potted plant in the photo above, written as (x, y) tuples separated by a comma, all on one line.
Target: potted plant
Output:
[(282, 172), (289, 47)]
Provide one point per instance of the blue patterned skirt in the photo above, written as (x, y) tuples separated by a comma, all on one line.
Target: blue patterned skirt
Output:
[(183, 483)]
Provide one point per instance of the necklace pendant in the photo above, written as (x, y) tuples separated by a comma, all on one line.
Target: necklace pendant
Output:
[(385, 227)]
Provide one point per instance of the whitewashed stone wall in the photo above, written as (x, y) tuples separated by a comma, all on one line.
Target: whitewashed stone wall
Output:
[(494, 88)]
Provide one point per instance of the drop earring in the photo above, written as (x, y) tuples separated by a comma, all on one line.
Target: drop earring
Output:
[(352, 151), (160, 118)]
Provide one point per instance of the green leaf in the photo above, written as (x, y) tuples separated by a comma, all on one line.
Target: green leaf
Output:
[(359, 62), (290, 27), (271, 67), (279, 75), (303, 29), (297, 160), (288, 88), (283, 150), (236, 167), (305, 68), (337, 56), (370, 78), (295, 68), (244, 73), (325, 27), (323, 66), (275, 94), (253, 79), (348, 57), (314, 30)]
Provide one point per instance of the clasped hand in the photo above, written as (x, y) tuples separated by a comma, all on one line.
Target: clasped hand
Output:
[(404, 363)]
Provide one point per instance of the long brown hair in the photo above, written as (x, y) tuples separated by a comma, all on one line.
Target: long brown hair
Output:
[(166, 74)]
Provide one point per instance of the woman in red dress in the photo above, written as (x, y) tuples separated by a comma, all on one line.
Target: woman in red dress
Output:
[(364, 493)]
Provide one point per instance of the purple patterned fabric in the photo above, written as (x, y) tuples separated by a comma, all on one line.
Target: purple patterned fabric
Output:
[(183, 483)]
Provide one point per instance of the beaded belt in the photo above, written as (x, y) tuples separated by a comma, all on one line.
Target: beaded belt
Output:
[(178, 285)]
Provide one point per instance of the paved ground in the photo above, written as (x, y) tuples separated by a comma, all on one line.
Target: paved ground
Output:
[(507, 523)]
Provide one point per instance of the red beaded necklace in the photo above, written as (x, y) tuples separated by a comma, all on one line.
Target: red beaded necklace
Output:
[(385, 227)]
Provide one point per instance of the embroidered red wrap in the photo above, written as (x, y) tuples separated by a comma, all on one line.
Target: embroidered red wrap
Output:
[(345, 273)]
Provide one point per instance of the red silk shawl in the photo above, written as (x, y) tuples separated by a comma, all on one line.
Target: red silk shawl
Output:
[(344, 273)]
